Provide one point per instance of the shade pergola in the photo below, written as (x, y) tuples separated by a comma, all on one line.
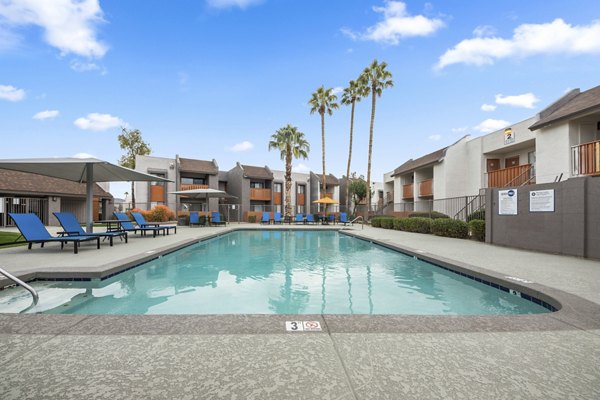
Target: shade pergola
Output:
[(204, 194), (82, 170)]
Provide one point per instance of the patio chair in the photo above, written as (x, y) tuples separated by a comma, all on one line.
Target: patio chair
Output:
[(299, 219), (310, 219), (195, 219), (33, 231), (215, 219), (266, 218), (127, 225), (344, 219), (141, 221), (277, 218), (332, 218), (72, 227)]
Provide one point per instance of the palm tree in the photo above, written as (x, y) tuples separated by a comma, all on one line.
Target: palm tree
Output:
[(291, 143), (376, 78), (323, 101), (351, 95)]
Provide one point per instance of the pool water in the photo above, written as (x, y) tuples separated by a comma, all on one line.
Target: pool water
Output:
[(276, 272)]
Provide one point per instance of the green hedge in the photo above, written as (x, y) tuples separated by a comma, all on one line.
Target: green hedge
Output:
[(479, 214), (432, 215), (450, 228), (415, 224), (387, 222), (477, 228)]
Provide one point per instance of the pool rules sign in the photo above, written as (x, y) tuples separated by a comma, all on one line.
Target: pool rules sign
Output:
[(507, 202), (541, 201)]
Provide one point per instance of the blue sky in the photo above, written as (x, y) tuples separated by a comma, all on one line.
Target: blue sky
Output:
[(216, 78)]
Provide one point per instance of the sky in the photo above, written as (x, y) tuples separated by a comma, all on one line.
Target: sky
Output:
[(214, 79)]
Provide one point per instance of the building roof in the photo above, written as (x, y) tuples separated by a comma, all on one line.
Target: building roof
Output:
[(257, 172), (26, 183), (573, 104), (427, 159), (199, 166), (331, 179)]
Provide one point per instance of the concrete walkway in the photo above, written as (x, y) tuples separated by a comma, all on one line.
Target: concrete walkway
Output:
[(555, 356)]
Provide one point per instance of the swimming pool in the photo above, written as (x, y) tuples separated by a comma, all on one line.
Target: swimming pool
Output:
[(276, 272)]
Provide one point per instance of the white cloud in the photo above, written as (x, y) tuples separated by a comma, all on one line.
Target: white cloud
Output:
[(488, 107), (69, 25), (397, 24), (460, 129), (80, 66), (84, 155), (301, 168), (11, 93), (42, 115), (491, 125), (556, 37), (243, 146), (337, 90), (484, 31), (526, 100), (232, 3), (99, 122), (435, 138)]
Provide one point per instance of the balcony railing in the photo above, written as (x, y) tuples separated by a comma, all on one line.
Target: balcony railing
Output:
[(300, 199), (407, 191), (277, 198), (426, 188), (187, 186), (157, 193), (585, 159), (260, 194), (513, 176)]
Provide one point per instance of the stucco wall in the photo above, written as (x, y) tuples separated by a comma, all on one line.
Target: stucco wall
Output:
[(552, 152)]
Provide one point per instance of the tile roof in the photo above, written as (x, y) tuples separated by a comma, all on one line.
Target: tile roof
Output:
[(24, 183), (571, 105), (257, 172), (201, 166), (331, 179), (427, 159)]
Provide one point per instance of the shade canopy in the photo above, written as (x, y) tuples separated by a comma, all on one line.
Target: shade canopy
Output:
[(326, 200), (82, 170), (204, 194)]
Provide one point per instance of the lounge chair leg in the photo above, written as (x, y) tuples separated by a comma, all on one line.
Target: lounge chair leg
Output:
[(75, 247), (98, 242), (30, 244), (111, 241)]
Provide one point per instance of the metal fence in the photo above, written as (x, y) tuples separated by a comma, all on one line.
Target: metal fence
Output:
[(33, 205), (455, 207)]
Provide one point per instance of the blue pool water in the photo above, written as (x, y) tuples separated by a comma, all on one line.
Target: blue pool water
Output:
[(276, 272)]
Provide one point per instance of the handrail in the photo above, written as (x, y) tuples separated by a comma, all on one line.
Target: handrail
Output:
[(357, 218), (26, 286), (527, 170), (466, 207)]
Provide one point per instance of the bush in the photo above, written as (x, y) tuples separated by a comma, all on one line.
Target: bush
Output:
[(479, 214), (376, 222), (416, 224), (252, 219), (387, 222), (432, 215), (477, 229), (450, 228), (157, 214)]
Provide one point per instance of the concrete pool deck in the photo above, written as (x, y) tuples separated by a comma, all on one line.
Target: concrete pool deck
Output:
[(544, 356)]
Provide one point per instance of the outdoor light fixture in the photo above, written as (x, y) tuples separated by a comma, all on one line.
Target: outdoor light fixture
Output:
[(53, 198)]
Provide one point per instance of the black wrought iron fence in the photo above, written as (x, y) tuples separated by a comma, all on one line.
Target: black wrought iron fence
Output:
[(37, 206)]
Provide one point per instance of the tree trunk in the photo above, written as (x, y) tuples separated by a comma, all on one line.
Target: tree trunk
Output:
[(323, 147), (288, 182), (349, 158), (132, 194), (373, 94)]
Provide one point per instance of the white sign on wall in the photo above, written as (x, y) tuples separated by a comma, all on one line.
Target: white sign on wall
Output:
[(507, 202), (541, 200), (1, 205)]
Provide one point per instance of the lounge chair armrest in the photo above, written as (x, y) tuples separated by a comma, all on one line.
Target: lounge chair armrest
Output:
[(68, 233), (150, 225)]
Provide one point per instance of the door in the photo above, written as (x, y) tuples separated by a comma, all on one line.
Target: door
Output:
[(511, 162), (493, 164)]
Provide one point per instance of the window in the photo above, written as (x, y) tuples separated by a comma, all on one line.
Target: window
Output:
[(193, 181), (257, 185), (278, 188), (301, 189)]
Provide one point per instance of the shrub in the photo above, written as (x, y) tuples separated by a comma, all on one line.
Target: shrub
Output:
[(252, 219), (387, 222), (376, 222), (432, 215), (479, 214), (160, 213), (477, 229), (416, 224), (450, 228)]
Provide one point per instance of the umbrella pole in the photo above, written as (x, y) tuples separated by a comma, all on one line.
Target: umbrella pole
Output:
[(89, 201)]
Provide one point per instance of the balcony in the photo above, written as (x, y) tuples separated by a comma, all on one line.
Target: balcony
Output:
[(185, 186), (300, 199), (585, 159), (426, 188), (408, 191), (260, 194), (157, 193), (277, 198), (513, 176)]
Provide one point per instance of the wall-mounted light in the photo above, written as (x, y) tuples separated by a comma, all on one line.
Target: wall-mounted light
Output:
[(53, 198)]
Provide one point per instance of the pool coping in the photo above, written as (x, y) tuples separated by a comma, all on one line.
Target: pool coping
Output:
[(573, 312)]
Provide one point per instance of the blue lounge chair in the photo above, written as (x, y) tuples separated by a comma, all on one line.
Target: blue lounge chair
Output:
[(344, 219), (332, 218), (194, 219), (215, 219), (266, 218), (34, 231), (127, 225), (310, 219), (141, 221), (299, 219), (72, 227), (277, 218)]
